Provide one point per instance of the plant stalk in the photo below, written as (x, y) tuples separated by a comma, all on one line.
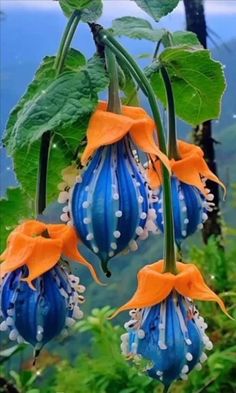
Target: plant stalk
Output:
[(45, 146), (114, 104), (141, 79), (172, 132)]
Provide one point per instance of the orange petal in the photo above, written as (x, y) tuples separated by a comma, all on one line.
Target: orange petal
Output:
[(44, 256), (190, 283), (19, 249), (104, 129), (142, 134), (153, 287), (31, 228), (70, 245), (192, 166), (154, 174)]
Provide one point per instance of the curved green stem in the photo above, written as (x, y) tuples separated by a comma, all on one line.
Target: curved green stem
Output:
[(139, 76), (45, 146), (66, 41), (114, 104), (41, 195), (172, 132)]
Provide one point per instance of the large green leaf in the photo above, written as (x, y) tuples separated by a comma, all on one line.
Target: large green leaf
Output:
[(90, 10), (65, 100), (13, 208), (198, 83), (43, 77), (157, 8), (57, 106), (136, 28), (185, 38)]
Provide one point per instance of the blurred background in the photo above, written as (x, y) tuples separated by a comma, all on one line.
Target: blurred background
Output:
[(88, 361)]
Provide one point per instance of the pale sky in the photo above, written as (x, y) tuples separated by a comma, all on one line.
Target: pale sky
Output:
[(222, 7)]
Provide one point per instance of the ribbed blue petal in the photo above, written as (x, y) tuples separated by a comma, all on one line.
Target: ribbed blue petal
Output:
[(109, 207), (188, 209), (172, 339), (38, 315)]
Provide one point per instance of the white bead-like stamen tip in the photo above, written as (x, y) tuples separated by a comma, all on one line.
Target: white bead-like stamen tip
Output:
[(133, 245), (184, 209), (85, 204), (86, 220), (89, 236), (198, 366), (113, 246), (116, 196), (95, 249), (186, 220), (189, 356), (117, 234), (139, 230), (184, 233), (143, 215), (111, 254), (185, 369), (118, 213), (140, 199), (141, 334), (203, 357)]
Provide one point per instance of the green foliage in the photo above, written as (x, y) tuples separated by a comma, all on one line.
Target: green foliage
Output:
[(133, 27), (13, 208), (90, 10), (157, 9), (184, 38), (102, 369), (197, 80)]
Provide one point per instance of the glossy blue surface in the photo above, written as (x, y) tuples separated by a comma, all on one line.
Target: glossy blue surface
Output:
[(187, 207), (37, 315), (107, 204)]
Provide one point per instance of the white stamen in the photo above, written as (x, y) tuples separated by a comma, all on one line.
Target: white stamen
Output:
[(139, 230), (118, 213), (133, 245), (189, 356), (13, 334), (63, 197), (85, 204), (113, 246), (89, 236), (117, 234)]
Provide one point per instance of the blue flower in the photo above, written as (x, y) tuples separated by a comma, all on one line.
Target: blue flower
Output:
[(190, 208), (111, 204), (39, 315), (170, 335)]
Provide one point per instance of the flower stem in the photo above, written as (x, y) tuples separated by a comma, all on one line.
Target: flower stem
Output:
[(45, 146), (66, 41), (141, 79), (114, 104), (41, 195), (172, 132)]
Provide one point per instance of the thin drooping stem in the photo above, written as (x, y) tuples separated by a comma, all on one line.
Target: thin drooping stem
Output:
[(139, 76), (67, 38), (172, 132), (41, 196), (45, 146), (114, 104)]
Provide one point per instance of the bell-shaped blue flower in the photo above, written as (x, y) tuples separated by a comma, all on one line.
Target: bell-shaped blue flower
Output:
[(190, 208), (170, 335), (38, 315), (111, 204)]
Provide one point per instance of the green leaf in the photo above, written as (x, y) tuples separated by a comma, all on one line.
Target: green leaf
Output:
[(13, 208), (90, 10), (198, 83), (185, 38), (66, 99), (62, 102), (133, 27), (43, 77), (129, 90), (157, 9)]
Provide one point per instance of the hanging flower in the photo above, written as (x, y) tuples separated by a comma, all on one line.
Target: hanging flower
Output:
[(38, 315), (191, 199), (39, 297), (165, 326), (111, 204)]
